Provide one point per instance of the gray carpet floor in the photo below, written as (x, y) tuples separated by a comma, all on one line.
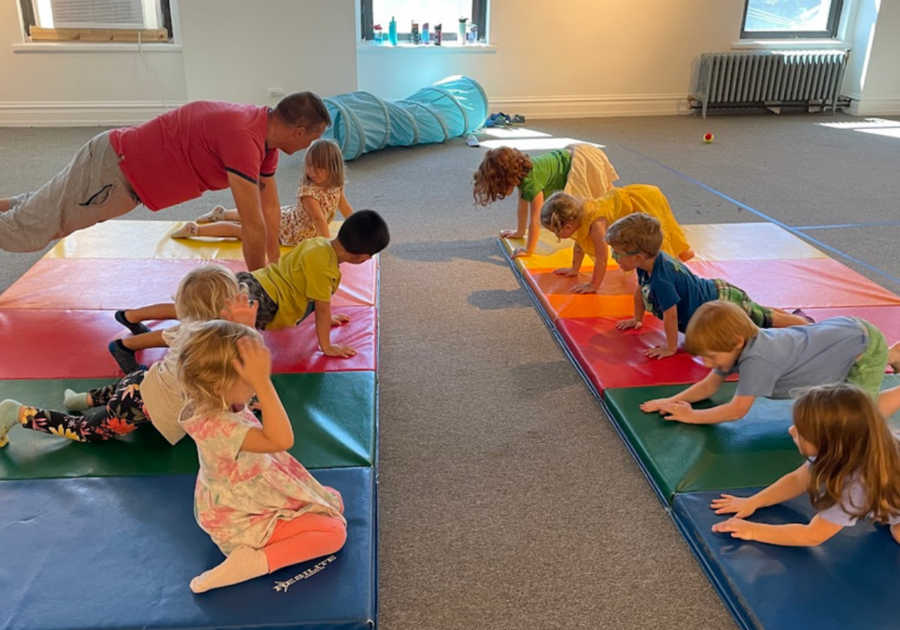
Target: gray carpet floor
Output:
[(507, 500)]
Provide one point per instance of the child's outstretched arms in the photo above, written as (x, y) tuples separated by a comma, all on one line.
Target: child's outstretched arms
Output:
[(344, 206), (678, 407), (670, 324), (577, 260), (601, 257), (255, 367), (324, 322), (791, 486), (637, 321), (529, 215)]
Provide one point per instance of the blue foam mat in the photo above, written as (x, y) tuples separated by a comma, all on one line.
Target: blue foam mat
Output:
[(111, 553), (847, 582)]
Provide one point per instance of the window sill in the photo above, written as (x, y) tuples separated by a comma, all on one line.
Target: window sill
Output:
[(67, 47), (791, 44), (445, 48)]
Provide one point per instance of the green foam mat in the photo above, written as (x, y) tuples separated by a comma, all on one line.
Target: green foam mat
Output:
[(333, 415), (753, 451)]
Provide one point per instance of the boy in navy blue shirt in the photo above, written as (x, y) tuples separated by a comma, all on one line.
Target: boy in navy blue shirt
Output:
[(667, 287)]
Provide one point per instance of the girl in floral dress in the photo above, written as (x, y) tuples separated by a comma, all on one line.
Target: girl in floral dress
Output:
[(320, 197), (262, 508)]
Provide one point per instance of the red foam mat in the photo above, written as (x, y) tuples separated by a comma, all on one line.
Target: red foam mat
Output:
[(802, 283), (613, 358), (55, 344), (103, 284)]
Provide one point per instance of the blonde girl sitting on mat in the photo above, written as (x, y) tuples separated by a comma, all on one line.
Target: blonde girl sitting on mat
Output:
[(320, 197), (143, 396), (586, 223), (258, 504), (582, 170), (852, 472)]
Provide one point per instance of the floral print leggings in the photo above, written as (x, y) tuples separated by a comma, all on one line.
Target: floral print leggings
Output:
[(119, 409)]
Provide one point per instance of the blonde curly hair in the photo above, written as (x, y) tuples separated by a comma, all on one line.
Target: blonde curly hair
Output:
[(500, 170)]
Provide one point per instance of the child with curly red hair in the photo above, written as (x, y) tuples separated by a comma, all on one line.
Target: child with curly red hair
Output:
[(582, 170)]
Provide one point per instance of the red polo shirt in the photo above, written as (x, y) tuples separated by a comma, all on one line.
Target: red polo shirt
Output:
[(183, 153)]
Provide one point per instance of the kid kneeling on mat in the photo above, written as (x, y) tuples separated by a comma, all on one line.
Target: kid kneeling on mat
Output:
[(852, 472), (669, 289), (285, 292), (772, 362), (258, 504)]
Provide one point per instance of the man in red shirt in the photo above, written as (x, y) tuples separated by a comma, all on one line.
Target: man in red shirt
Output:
[(204, 145)]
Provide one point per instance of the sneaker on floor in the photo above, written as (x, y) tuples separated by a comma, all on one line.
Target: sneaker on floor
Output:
[(472, 141), (124, 357), (518, 119), (188, 230), (213, 216), (9, 417), (136, 329)]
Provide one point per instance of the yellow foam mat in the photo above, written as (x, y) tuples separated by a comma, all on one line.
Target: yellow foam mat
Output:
[(146, 239), (747, 241), (550, 253)]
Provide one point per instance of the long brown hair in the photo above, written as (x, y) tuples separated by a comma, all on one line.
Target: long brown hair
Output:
[(844, 425), (501, 169)]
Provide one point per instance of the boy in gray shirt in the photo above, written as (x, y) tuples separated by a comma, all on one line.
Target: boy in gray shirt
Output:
[(772, 362)]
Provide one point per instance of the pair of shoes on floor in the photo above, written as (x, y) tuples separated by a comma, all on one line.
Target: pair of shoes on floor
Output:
[(503, 120)]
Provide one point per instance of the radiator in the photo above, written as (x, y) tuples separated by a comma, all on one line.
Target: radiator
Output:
[(770, 78)]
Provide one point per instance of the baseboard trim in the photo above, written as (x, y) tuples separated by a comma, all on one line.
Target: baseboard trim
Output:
[(593, 106), (875, 107), (79, 113)]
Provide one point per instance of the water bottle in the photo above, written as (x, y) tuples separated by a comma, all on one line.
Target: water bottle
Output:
[(392, 32), (461, 33)]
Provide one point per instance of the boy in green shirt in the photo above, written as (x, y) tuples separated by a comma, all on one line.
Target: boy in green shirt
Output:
[(282, 294)]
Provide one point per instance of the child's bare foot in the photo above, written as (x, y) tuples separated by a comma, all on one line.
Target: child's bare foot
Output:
[(894, 357), (188, 230), (213, 216), (686, 255)]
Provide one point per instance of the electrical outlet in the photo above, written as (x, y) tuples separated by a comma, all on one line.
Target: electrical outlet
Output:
[(276, 92)]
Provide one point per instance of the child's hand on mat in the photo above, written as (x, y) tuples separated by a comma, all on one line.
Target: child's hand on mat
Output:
[(655, 405), (340, 319), (628, 324), (567, 272), (679, 411), (510, 234), (240, 309), (584, 287), (255, 362), (337, 350), (741, 507), (738, 528), (520, 252), (659, 352)]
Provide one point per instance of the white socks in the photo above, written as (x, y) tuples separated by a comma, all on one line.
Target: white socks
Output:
[(76, 401), (244, 563)]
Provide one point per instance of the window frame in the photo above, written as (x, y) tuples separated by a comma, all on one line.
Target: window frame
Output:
[(29, 19), (367, 22), (834, 22)]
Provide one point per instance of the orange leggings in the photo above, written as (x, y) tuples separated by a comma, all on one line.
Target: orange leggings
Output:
[(306, 537)]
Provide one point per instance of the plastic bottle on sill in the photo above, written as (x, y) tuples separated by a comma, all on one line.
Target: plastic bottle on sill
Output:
[(392, 32)]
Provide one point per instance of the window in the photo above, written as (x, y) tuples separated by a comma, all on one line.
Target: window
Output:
[(97, 20), (447, 13), (784, 19)]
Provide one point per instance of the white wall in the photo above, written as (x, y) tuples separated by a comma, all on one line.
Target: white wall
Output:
[(91, 88), (577, 57), (235, 50), (881, 91)]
